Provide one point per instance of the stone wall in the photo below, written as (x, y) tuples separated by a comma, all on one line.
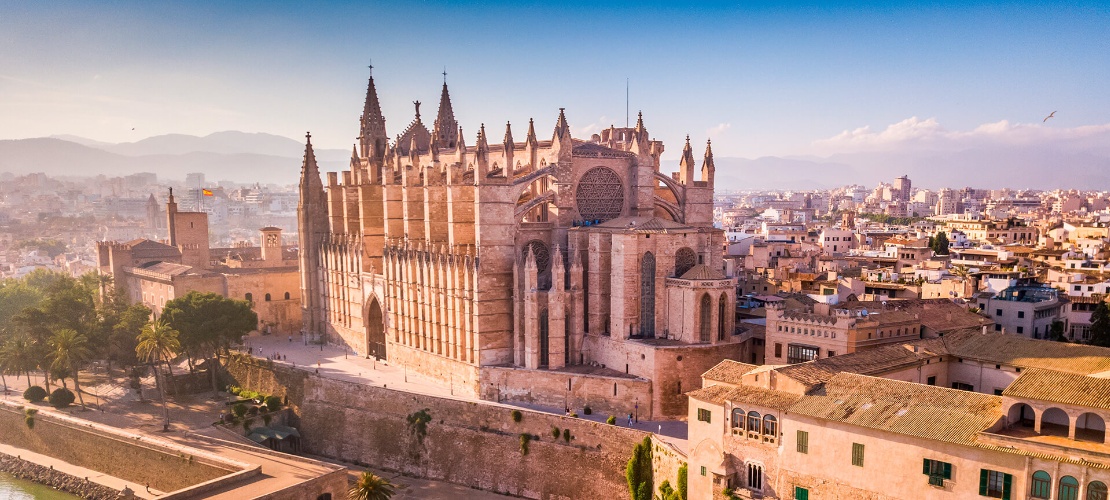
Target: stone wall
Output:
[(87, 446), (665, 462), (603, 394), (55, 479), (468, 443)]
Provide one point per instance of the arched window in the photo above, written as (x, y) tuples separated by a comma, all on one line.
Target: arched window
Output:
[(706, 318), (753, 421), (267, 297), (755, 477), (1096, 490), (286, 295), (1041, 485), (738, 419), (249, 297), (770, 428), (721, 308), (647, 296), (684, 259), (1069, 489), (1090, 427), (1055, 422)]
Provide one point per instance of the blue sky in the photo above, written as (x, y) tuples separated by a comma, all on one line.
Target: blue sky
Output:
[(760, 78)]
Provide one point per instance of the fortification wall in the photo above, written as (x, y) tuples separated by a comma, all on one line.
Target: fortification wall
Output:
[(91, 448), (604, 395), (469, 443)]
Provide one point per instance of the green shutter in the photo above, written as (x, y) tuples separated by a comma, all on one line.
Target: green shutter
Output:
[(1007, 480), (947, 470), (925, 467), (857, 454), (803, 442), (801, 493), (983, 482)]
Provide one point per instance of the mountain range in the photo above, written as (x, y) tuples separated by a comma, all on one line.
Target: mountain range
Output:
[(254, 157)]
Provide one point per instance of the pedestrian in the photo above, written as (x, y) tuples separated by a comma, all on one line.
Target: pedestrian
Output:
[(290, 339), (660, 429), (630, 420)]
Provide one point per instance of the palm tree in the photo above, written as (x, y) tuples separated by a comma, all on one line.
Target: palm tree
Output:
[(371, 486), (19, 357), (68, 350), (158, 343)]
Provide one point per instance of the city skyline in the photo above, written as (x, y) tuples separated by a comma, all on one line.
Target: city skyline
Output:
[(786, 80)]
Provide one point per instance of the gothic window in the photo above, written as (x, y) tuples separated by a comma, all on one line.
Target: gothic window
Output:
[(684, 259), (706, 318), (543, 262), (544, 348), (721, 317), (755, 477), (647, 296), (599, 195)]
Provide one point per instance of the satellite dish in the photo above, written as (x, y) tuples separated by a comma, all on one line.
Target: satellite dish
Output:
[(863, 312)]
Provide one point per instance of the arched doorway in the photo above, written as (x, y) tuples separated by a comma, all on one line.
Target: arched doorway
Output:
[(375, 330), (1090, 427), (1023, 415), (1054, 422)]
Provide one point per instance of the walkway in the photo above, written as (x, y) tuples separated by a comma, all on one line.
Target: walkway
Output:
[(343, 364)]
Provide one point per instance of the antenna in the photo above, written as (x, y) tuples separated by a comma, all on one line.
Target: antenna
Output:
[(626, 103)]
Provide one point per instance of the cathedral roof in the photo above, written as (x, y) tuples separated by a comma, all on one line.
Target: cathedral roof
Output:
[(702, 272), (591, 150), (143, 248)]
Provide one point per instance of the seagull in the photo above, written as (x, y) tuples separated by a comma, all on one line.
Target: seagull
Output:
[(1050, 115)]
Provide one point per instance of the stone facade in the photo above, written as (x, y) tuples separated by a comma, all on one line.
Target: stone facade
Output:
[(540, 254)]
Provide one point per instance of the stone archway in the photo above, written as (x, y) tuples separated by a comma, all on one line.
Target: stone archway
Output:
[(375, 330)]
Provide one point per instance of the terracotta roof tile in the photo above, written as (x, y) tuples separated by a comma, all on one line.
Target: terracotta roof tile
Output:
[(1059, 387), (728, 372)]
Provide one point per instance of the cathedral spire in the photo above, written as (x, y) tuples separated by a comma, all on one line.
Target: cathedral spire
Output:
[(508, 135), (372, 136), (531, 139), (445, 127), (561, 128), (686, 164), (707, 168)]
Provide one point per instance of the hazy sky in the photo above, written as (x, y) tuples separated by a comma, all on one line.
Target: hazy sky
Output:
[(760, 78)]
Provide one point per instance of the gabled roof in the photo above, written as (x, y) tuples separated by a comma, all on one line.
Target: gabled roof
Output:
[(728, 372)]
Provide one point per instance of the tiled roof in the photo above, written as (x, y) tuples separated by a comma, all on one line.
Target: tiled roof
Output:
[(907, 408), (702, 272), (728, 371), (870, 361), (1016, 350), (1059, 387), (745, 396)]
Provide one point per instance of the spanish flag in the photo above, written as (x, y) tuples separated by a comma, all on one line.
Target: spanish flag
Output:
[(206, 192)]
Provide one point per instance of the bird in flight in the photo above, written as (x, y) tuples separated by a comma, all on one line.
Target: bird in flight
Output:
[(1050, 115)]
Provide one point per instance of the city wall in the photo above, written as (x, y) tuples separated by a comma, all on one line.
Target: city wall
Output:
[(464, 442), (605, 395), (125, 456)]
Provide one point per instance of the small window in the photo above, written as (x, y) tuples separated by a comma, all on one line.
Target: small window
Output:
[(704, 415), (963, 387), (286, 295), (832, 353), (801, 493), (1021, 314), (998, 312), (803, 442), (1021, 329), (931, 380), (267, 297), (937, 471), (995, 484), (249, 297), (857, 454), (703, 470), (778, 350)]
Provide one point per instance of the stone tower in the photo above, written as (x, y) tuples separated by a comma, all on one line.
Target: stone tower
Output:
[(312, 231)]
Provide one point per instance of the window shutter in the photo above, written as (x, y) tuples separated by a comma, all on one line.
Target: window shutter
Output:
[(1007, 480), (983, 482), (925, 467), (947, 470)]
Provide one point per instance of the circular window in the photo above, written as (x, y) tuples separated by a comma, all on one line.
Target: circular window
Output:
[(599, 195)]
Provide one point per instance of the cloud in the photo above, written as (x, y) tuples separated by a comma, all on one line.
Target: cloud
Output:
[(928, 134), (585, 131), (716, 132)]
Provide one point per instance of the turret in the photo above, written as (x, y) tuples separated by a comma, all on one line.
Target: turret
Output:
[(508, 144), (686, 165), (171, 210), (561, 143), (707, 169)]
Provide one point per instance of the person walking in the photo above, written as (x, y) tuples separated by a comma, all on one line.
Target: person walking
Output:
[(630, 420)]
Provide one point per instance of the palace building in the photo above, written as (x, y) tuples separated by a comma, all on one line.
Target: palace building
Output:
[(555, 270)]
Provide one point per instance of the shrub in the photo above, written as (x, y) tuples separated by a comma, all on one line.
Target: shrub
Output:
[(611, 420), (29, 417), (34, 394), (524, 439), (573, 415), (234, 389), (252, 410), (517, 416), (587, 410), (61, 398), (273, 403), (566, 435), (555, 432), (247, 424), (239, 410), (418, 423)]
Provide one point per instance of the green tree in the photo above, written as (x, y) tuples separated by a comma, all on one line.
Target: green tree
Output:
[(158, 343), (69, 350), (1100, 325), (683, 472), (209, 324), (17, 357), (1056, 332), (940, 244), (638, 471), (371, 486)]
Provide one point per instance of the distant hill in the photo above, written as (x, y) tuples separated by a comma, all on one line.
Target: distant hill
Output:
[(234, 156), (251, 157)]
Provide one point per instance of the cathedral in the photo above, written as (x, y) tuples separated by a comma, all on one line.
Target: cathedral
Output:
[(554, 270)]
